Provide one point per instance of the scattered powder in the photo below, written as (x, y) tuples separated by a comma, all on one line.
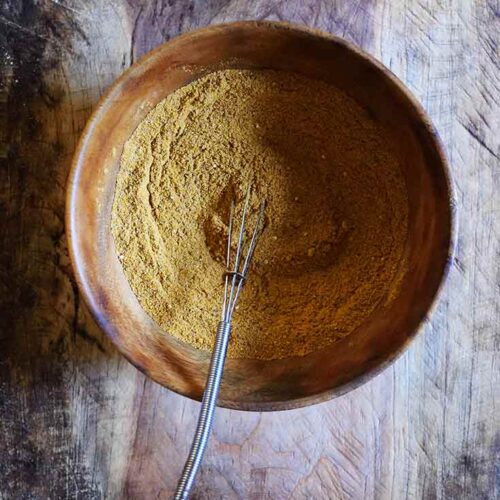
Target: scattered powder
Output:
[(336, 220)]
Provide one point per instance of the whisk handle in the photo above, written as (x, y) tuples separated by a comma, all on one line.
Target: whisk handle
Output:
[(206, 413)]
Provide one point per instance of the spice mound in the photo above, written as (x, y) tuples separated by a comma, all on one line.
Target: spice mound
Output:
[(333, 245)]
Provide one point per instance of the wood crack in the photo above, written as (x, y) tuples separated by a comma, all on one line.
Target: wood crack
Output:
[(475, 135)]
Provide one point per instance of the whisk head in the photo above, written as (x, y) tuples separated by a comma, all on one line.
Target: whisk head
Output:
[(237, 269)]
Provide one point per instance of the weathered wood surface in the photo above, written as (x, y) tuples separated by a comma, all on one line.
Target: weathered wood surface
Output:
[(77, 421)]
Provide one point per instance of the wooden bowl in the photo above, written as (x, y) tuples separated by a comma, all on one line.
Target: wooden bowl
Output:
[(252, 384)]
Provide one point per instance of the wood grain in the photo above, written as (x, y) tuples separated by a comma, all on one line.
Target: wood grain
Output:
[(77, 421)]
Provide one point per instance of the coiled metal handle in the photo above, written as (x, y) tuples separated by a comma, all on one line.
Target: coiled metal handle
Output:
[(206, 413)]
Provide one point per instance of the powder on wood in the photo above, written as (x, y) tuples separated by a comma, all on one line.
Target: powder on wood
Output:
[(336, 221)]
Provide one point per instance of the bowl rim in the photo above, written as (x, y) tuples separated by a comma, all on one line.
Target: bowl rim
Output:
[(392, 356)]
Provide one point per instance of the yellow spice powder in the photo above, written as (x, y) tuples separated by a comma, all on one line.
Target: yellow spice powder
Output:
[(336, 220)]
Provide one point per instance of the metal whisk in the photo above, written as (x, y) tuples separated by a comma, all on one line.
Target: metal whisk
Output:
[(234, 279)]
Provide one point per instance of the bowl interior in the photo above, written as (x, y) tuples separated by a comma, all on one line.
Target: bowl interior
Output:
[(251, 384)]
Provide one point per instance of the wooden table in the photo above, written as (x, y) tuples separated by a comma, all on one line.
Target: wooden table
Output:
[(78, 421)]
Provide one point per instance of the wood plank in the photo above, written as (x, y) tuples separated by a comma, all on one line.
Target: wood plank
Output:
[(77, 421)]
